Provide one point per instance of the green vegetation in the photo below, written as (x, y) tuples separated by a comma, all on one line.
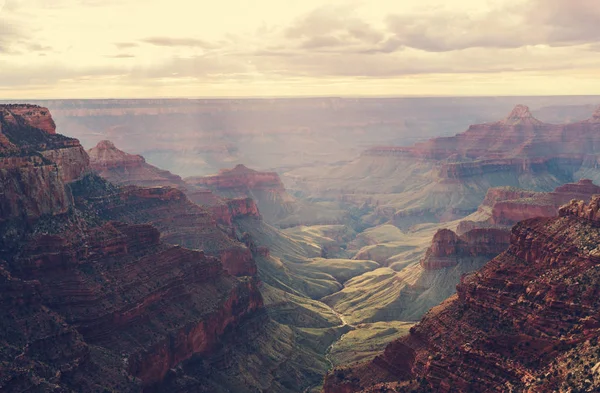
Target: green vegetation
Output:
[(366, 341)]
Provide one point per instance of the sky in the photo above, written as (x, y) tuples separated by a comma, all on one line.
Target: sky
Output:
[(239, 48)]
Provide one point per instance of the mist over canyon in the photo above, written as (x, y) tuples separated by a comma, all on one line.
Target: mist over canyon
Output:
[(300, 245)]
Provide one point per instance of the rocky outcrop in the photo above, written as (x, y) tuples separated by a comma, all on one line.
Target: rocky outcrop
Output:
[(517, 132), (230, 209), (526, 322), (126, 306), (35, 163), (580, 209), (445, 178), (239, 178), (123, 168), (265, 188), (447, 248), (33, 116), (505, 206), (119, 167)]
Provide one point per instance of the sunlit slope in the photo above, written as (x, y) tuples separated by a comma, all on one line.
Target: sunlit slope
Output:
[(295, 266), (366, 342), (402, 290)]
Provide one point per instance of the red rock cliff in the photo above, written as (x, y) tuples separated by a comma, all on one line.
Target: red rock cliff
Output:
[(447, 248), (35, 163), (179, 220), (508, 206), (129, 307)]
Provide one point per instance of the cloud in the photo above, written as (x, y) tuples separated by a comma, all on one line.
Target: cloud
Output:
[(326, 43), (121, 56), (10, 33), (174, 42), (126, 45), (333, 27), (50, 75), (536, 22), (37, 47)]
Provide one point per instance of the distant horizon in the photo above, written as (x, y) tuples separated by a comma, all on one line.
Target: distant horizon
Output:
[(216, 98)]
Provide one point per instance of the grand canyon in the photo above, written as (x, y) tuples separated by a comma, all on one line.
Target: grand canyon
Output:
[(299, 196), (460, 263)]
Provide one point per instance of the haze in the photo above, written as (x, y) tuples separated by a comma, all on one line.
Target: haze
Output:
[(157, 48)]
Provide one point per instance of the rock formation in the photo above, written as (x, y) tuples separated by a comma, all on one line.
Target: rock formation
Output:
[(446, 178), (265, 188), (447, 248), (35, 163), (526, 322), (505, 206), (119, 167)]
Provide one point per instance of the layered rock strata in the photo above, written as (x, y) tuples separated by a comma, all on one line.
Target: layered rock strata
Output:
[(122, 168), (447, 248)]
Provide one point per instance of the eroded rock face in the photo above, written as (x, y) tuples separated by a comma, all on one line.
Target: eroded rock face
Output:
[(265, 188), (34, 116), (508, 205), (517, 131), (230, 209), (179, 220), (447, 248), (127, 308), (239, 178), (527, 320), (35, 163), (119, 167)]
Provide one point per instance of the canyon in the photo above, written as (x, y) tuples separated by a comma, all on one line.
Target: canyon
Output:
[(132, 278), (109, 287)]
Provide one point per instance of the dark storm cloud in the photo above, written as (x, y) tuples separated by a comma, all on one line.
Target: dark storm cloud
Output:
[(174, 42)]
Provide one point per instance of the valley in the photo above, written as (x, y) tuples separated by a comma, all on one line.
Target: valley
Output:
[(214, 275)]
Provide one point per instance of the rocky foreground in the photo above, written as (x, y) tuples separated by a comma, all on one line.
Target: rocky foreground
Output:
[(528, 321)]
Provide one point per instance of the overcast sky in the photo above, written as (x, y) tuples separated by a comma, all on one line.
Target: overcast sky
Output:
[(158, 48)]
